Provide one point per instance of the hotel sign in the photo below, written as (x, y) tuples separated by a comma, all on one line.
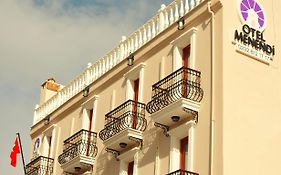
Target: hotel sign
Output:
[(250, 39)]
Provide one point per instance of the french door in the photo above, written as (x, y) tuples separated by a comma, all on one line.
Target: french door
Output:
[(136, 96), (185, 57), (183, 153)]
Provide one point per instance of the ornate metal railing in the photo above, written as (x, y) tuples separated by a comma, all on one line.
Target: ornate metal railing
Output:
[(40, 166), (166, 17), (82, 143), (183, 83), (128, 115), (182, 172)]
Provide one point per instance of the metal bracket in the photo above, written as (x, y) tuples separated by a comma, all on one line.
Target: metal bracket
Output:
[(115, 153), (139, 141), (164, 127), (193, 113)]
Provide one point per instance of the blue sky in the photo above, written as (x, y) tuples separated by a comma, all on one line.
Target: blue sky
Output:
[(49, 38)]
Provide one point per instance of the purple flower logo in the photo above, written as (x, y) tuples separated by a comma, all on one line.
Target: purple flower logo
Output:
[(252, 13)]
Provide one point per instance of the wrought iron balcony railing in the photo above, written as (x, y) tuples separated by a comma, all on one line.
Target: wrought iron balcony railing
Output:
[(128, 115), (40, 166), (140, 37), (182, 172), (183, 83), (82, 143)]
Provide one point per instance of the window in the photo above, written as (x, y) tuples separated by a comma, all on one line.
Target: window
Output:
[(90, 118), (134, 111), (184, 153), (131, 168), (90, 129), (136, 89), (49, 140), (184, 50), (89, 109), (185, 59), (129, 162), (134, 83), (47, 148), (47, 145), (182, 146), (185, 55)]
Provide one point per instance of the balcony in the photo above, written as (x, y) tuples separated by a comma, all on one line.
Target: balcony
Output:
[(79, 152), (176, 97), (182, 172), (124, 126), (40, 166), (144, 34)]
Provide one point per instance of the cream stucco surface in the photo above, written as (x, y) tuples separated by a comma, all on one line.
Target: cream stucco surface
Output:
[(238, 118)]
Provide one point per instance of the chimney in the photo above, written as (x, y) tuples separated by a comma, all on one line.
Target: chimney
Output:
[(48, 89)]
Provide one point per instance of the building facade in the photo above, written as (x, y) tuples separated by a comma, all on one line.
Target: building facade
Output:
[(195, 90)]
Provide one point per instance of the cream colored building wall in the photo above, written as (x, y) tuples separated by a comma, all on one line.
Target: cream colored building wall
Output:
[(152, 145), (147, 155), (245, 110), (158, 59), (217, 148), (65, 125), (163, 153), (109, 98), (251, 96), (201, 150)]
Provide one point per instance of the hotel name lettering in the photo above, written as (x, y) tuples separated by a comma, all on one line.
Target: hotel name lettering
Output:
[(254, 38)]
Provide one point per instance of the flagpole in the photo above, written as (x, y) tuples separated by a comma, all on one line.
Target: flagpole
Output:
[(18, 134)]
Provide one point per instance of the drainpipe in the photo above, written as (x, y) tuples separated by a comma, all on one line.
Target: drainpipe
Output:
[(212, 116)]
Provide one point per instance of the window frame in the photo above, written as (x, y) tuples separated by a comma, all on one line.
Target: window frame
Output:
[(188, 38)]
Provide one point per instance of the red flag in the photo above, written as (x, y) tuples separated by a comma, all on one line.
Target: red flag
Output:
[(14, 152)]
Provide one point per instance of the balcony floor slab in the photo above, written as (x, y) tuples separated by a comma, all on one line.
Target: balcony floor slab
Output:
[(164, 115), (84, 162), (123, 137)]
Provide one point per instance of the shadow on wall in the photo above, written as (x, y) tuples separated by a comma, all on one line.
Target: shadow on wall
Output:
[(147, 156), (106, 164)]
